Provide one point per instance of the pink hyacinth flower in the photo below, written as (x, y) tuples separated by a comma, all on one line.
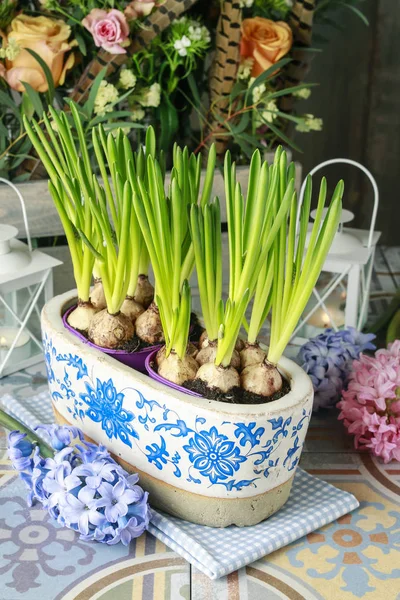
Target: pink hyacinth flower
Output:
[(370, 407)]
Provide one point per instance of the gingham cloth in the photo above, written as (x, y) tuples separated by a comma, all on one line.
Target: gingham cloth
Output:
[(217, 552)]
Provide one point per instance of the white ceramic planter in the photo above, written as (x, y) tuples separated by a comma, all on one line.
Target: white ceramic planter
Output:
[(204, 461)]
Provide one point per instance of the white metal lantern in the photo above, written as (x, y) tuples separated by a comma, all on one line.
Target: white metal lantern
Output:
[(26, 281), (342, 299)]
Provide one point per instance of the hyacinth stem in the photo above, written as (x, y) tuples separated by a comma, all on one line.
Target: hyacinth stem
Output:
[(13, 424)]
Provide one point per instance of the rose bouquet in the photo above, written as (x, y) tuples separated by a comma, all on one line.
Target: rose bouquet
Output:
[(199, 71), (370, 407)]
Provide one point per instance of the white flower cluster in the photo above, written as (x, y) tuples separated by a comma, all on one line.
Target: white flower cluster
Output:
[(303, 94), (127, 79), (197, 33), (246, 3), (11, 51), (258, 91), (182, 45), (150, 96), (245, 68), (269, 114), (106, 95), (137, 114), (309, 123)]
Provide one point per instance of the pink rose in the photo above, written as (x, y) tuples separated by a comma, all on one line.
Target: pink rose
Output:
[(110, 30), (139, 8)]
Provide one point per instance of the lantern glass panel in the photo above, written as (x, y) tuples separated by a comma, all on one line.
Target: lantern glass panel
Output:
[(14, 308)]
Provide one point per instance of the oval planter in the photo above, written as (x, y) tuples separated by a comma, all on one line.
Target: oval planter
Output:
[(135, 360), (204, 461)]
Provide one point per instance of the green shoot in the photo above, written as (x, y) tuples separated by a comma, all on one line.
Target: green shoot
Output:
[(164, 222), (253, 227), (206, 235), (296, 272), (70, 185)]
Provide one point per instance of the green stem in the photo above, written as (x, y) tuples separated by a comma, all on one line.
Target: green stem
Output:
[(12, 424)]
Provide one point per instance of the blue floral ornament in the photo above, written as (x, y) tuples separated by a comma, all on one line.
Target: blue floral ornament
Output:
[(327, 359), (213, 455), (82, 487), (105, 406)]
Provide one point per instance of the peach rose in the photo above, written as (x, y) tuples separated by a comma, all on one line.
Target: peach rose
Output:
[(139, 8), (49, 39), (265, 41)]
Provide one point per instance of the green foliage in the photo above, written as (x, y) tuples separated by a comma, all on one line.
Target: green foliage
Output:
[(7, 13)]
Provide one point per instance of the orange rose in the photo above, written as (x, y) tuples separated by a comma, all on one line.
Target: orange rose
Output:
[(264, 41), (49, 39)]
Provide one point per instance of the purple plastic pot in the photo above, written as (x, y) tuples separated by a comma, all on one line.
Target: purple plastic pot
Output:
[(135, 360), (150, 358)]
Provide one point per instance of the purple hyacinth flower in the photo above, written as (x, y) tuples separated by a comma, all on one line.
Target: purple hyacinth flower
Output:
[(81, 510), (58, 486), (89, 453), (20, 451), (60, 435), (82, 487), (134, 523), (51, 464), (116, 498), (327, 359), (96, 472)]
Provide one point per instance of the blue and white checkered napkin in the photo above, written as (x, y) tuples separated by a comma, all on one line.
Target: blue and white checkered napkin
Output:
[(217, 552)]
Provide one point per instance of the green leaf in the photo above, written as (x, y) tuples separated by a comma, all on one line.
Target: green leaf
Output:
[(284, 137), (34, 99), (290, 90), (269, 73), (88, 107), (21, 178), (47, 74), (9, 103), (116, 114), (18, 159), (27, 107), (81, 43), (92, 249), (194, 89), (357, 11), (169, 123), (393, 332), (122, 124)]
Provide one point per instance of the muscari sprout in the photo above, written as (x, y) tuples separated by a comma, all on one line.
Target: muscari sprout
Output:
[(164, 221), (68, 166)]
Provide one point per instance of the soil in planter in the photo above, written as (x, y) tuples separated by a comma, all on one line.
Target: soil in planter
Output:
[(195, 328), (236, 395)]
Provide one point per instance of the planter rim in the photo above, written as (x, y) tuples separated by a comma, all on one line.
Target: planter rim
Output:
[(53, 311), (156, 377)]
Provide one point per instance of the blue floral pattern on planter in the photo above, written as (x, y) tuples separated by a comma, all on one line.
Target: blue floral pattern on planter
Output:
[(213, 455), (105, 407), (189, 448)]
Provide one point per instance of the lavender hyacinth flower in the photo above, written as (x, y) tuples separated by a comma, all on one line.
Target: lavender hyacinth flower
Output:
[(60, 435), (327, 359), (20, 451), (82, 487)]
